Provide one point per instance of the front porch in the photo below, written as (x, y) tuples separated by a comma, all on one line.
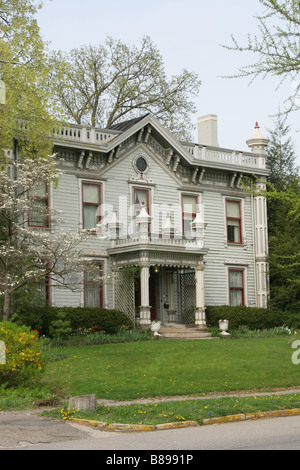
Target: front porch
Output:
[(160, 286), (168, 285)]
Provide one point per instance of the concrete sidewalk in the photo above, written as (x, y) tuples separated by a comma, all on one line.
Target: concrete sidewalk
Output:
[(160, 399)]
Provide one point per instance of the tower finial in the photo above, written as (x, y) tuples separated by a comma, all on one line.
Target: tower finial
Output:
[(258, 144)]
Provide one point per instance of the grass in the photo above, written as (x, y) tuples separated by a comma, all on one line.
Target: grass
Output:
[(180, 411), (145, 369), (128, 371)]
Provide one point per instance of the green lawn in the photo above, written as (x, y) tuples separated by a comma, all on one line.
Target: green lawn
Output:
[(146, 369)]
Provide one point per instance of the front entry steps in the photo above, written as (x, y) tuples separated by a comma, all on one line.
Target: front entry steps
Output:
[(177, 331)]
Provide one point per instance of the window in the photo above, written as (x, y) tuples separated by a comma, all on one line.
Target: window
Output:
[(91, 200), (42, 291), (234, 226), (93, 286), (189, 209), (39, 290), (141, 164), (38, 215), (236, 287), (141, 199)]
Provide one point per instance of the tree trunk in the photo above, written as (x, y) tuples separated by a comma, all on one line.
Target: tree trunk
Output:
[(6, 306)]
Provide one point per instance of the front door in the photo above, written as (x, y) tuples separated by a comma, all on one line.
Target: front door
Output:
[(187, 293)]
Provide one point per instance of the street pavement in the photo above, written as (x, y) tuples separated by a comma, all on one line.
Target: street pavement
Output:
[(19, 429)]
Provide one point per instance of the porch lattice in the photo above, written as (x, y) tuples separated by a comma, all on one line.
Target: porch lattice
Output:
[(125, 294), (187, 297)]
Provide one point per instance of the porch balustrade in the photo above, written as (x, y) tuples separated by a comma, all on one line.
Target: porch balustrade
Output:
[(161, 240), (225, 156), (166, 238)]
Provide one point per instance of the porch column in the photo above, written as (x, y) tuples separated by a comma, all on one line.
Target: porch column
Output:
[(145, 315), (200, 320), (261, 250)]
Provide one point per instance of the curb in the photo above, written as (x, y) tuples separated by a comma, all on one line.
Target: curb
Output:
[(133, 427), (184, 424), (252, 416)]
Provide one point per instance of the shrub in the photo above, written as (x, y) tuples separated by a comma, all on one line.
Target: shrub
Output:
[(254, 318), (23, 358), (60, 328), (41, 318)]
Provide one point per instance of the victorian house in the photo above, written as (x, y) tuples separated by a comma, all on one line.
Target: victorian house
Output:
[(172, 225)]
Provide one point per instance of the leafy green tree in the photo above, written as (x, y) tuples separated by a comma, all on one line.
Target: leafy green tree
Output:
[(25, 120), (101, 85)]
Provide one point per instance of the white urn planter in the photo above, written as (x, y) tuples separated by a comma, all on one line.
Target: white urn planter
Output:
[(155, 327), (223, 326)]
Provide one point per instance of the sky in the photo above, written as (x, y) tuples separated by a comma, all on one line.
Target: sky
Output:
[(189, 35)]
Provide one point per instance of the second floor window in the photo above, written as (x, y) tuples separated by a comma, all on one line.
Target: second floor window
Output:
[(91, 200), (38, 215), (189, 209), (233, 219), (141, 199)]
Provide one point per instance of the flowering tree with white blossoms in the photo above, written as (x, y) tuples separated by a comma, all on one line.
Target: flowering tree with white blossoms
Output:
[(31, 254)]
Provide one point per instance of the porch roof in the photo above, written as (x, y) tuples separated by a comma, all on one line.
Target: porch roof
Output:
[(151, 255)]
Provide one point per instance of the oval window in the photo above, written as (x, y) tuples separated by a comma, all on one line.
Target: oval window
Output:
[(141, 164)]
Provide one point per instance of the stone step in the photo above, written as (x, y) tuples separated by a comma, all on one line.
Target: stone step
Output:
[(174, 331)]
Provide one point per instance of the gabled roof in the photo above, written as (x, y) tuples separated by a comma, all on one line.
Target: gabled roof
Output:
[(161, 134), (125, 125)]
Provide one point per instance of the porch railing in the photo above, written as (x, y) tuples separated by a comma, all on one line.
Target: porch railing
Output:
[(179, 241), (225, 156), (166, 238)]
